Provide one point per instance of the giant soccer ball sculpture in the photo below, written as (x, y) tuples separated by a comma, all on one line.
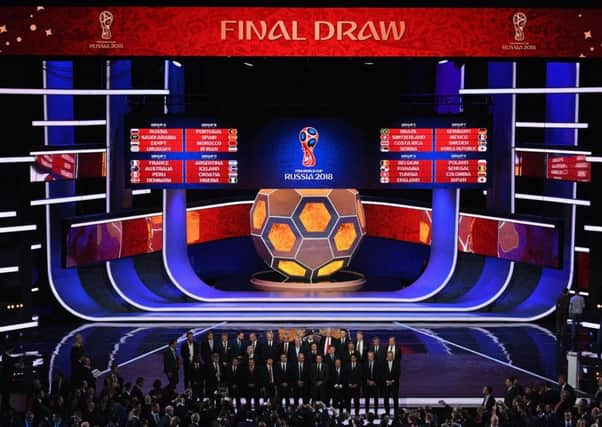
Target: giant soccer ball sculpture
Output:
[(307, 235)]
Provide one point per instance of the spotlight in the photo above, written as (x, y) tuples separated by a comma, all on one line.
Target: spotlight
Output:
[(368, 63), (177, 64), (443, 61), (248, 64)]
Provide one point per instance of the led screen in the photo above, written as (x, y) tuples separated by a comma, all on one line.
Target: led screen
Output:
[(306, 152)]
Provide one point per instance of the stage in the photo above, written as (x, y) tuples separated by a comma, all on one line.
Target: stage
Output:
[(439, 362)]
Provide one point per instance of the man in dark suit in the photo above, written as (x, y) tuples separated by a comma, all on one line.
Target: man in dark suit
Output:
[(488, 402), (250, 354), (115, 378), (342, 342), (254, 382), (285, 346), (307, 343), (338, 385), (154, 416), (567, 396), (270, 347), (225, 348), (313, 352), (379, 350), (234, 376), (300, 379), (327, 342), (355, 378), (269, 388), (208, 347), (60, 385), (319, 380), (361, 346), (393, 348), (171, 363), (257, 348), (239, 346), (391, 383), (296, 350), (282, 375), (189, 350), (511, 392), (213, 377), (348, 353), (330, 358), (372, 380)]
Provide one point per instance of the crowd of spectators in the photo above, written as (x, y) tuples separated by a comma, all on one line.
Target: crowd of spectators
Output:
[(81, 400)]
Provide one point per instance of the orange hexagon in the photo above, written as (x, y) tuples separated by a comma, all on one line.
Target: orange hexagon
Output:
[(345, 236), (331, 267), (291, 268), (260, 213), (315, 217), (281, 237)]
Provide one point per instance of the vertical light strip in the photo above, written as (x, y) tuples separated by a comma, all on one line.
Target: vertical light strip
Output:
[(574, 207), (576, 132), (462, 74), (165, 85), (45, 102), (108, 139), (513, 142)]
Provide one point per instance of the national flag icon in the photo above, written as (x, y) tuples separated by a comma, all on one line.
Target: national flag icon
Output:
[(384, 148), (482, 179), (384, 180), (134, 131), (384, 166), (482, 167), (233, 179)]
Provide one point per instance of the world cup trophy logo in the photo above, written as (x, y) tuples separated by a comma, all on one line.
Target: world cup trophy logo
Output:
[(519, 19), (106, 20), (308, 138)]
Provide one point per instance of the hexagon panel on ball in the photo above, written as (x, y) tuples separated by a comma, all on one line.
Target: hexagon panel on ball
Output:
[(307, 235)]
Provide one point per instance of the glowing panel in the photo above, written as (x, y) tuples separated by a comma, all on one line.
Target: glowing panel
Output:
[(315, 217), (260, 213), (345, 236), (282, 237), (291, 268), (331, 267)]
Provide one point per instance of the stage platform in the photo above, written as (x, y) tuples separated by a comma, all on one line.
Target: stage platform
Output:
[(439, 362)]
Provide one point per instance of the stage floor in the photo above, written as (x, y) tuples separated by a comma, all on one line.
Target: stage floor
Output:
[(450, 362)]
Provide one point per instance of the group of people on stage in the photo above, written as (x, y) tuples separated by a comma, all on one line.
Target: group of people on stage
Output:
[(288, 367)]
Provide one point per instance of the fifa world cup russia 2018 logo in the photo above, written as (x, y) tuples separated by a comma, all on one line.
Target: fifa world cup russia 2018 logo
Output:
[(519, 20), (106, 20), (308, 138)]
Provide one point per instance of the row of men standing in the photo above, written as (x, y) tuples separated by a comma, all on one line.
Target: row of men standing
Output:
[(328, 369)]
